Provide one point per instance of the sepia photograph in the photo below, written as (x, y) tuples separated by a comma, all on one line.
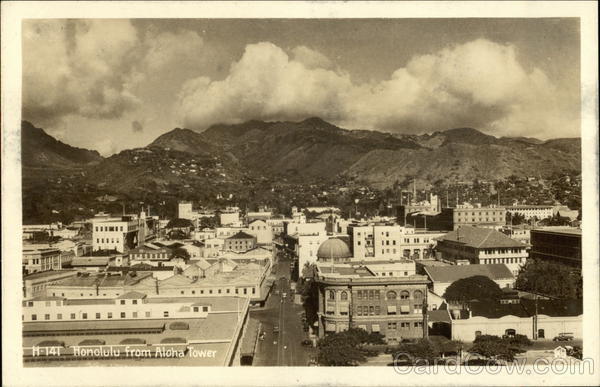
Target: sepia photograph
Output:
[(318, 189)]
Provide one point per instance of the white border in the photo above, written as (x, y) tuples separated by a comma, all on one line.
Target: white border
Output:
[(14, 12)]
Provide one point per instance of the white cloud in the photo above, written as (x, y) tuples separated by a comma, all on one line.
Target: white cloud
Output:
[(77, 67), (479, 84), (166, 48)]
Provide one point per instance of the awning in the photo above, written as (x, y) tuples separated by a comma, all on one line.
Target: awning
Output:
[(330, 308), (329, 327), (344, 308), (391, 308), (375, 327), (363, 327), (405, 308)]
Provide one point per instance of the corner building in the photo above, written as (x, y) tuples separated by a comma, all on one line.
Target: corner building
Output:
[(353, 296)]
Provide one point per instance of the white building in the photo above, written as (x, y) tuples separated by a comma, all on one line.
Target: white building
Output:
[(531, 211), (230, 217), (117, 234), (262, 231)]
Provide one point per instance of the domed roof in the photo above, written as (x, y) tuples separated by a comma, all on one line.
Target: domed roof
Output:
[(333, 248)]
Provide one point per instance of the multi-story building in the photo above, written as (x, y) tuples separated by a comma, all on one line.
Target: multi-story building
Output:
[(476, 245), (488, 217), (262, 231), (35, 284), (521, 233), (380, 241), (352, 295), (150, 254), (230, 216), (262, 214), (240, 242), (560, 245), (37, 260), (120, 234), (531, 211), (160, 331)]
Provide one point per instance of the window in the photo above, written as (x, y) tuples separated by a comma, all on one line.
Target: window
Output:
[(122, 302), (418, 295), (391, 295), (165, 314), (182, 292), (377, 310), (331, 295), (134, 302), (72, 316), (418, 324), (34, 317), (404, 295), (97, 315), (148, 314), (359, 310), (59, 316), (359, 294), (109, 315), (477, 333), (134, 314), (46, 317), (196, 309), (344, 296), (371, 311), (84, 316), (205, 308), (392, 325)]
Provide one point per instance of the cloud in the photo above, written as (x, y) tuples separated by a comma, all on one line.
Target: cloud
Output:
[(479, 84), (136, 126), (167, 48), (81, 67)]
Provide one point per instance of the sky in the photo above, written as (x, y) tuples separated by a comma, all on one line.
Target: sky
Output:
[(114, 84)]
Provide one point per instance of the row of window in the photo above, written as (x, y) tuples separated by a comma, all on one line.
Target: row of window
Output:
[(109, 315), (111, 240), (149, 255), (376, 295), (404, 325), (480, 220), (504, 260), (109, 228)]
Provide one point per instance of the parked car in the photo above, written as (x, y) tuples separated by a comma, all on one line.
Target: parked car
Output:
[(307, 343), (276, 329), (563, 336)]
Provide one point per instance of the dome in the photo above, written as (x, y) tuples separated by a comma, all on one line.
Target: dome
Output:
[(333, 248)]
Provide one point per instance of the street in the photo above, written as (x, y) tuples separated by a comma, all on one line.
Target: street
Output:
[(283, 348)]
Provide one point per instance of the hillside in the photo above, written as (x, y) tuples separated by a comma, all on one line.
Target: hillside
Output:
[(40, 150)]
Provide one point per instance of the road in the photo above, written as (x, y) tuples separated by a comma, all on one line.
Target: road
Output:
[(285, 347)]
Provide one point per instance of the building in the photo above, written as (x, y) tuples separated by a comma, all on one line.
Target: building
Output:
[(38, 260), (35, 284), (544, 319), (521, 233), (262, 231), (120, 234), (431, 206), (531, 211), (351, 295), (566, 212), (560, 245), (150, 254), (482, 246), (123, 330), (451, 218), (443, 276), (230, 216), (391, 241), (240, 242), (261, 214)]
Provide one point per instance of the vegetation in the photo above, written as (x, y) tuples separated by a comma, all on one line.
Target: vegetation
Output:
[(497, 348), (425, 351), (346, 348), (550, 279), (473, 288)]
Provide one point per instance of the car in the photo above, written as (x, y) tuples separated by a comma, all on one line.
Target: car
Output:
[(276, 329), (307, 343), (284, 295), (564, 336)]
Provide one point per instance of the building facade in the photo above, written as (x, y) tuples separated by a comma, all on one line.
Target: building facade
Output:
[(531, 211), (352, 296), (38, 260), (116, 234), (240, 242), (482, 246), (557, 245)]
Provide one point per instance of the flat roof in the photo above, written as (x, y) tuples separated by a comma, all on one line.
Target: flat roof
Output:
[(565, 230), (49, 273)]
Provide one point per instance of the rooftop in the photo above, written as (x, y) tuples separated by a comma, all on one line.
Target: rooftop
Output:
[(480, 238), (526, 308), (241, 235), (559, 230), (449, 274)]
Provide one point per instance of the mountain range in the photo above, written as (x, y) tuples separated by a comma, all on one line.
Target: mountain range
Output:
[(309, 150)]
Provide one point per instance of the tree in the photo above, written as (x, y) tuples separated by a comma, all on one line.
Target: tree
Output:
[(494, 347), (180, 252), (550, 279), (346, 348), (478, 287)]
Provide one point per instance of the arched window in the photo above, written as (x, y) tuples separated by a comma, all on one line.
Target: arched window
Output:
[(477, 333), (344, 296), (404, 295), (331, 295), (417, 295), (391, 295)]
